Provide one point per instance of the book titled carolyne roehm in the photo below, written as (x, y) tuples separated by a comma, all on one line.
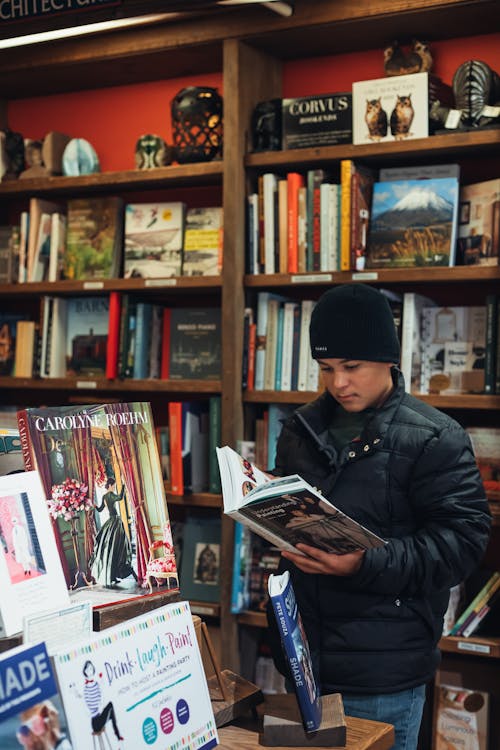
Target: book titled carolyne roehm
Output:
[(103, 484), (296, 649), (287, 510)]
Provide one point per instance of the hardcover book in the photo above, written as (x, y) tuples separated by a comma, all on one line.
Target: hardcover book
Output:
[(322, 120), (31, 574), (31, 709), (479, 224), (38, 208), (413, 223), (390, 109), (203, 242), (287, 510), (195, 343), (94, 238), (296, 649), (103, 486), (87, 320), (200, 573), (153, 239), (139, 682), (453, 349), (8, 331)]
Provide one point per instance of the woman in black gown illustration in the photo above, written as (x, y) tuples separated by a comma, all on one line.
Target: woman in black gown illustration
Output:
[(111, 559)]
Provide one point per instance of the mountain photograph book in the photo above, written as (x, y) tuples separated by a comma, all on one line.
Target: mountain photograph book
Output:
[(31, 710), (31, 574), (138, 684), (413, 223), (103, 486), (296, 649), (153, 239), (287, 510)]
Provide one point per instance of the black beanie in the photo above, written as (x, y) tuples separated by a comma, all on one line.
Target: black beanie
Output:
[(353, 321)]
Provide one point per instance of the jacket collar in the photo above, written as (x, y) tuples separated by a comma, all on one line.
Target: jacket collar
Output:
[(316, 417)]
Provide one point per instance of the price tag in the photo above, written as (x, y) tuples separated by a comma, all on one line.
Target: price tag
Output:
[(93, 284), (365, 276), (160, 282), (86, 384), (311, 278), (479, 648)]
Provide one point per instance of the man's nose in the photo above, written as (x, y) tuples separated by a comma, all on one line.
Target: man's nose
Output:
[(339, 379)]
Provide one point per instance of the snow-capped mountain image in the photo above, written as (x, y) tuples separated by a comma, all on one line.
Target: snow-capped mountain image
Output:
[(413, 223), (421, 207)]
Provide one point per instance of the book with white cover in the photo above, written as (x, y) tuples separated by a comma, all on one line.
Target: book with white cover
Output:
[(141, 683), (411, 345), (31, 574), (287, 510)]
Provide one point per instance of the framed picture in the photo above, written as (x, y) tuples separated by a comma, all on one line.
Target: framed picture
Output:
[(200, 564)]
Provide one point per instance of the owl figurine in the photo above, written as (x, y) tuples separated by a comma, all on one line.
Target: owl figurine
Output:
[(402, 117), (152, 151), (376, 119)]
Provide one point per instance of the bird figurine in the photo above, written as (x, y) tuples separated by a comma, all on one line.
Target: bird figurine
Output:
[(397, 62)]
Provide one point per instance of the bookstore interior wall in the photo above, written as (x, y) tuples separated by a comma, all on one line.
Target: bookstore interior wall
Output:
[(250, 68)]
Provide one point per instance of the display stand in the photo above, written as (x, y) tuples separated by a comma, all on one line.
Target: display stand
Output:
[(231, 694), (282, 724)]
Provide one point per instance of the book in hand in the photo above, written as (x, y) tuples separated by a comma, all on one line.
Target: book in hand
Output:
[(31, 710), (287, 510), (138, 684), (103, 484), (31, 574), (296, 649)]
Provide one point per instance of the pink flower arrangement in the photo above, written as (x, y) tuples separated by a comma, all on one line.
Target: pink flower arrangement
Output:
[(68, 499)]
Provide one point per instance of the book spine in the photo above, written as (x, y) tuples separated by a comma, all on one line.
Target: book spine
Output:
[(279, 348), (113, 335), (271, 345), (304, 353), (324, 227), (346, 170), (287, 348), (247, 320), (269, 187), (302, 230), (261, 342), (294, 181), (482, 601), (175, 434), (165, 345), (24, 437), (214, 440), (479, 616), (283, 225), (490, 355), (497, 353), (252, 234), (252, 336), (297, 314), (489, 583), (142, 340)]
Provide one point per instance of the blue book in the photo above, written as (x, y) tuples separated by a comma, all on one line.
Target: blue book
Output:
[(279, 349), (296, 649), (142, 342), (277, 415), (30, 702), (242, 558)]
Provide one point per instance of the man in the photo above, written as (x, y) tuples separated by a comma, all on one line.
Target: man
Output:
[(407, 472)]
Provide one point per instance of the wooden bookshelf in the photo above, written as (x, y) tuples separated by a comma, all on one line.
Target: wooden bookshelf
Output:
[(488, 647)]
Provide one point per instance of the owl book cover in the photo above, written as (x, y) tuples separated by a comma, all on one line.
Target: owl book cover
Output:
[(390, 109)]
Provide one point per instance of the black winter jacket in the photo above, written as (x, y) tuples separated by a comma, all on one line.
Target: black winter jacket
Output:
[(413, 480)]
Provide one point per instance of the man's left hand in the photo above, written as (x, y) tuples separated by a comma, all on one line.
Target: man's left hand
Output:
[(315, 560)]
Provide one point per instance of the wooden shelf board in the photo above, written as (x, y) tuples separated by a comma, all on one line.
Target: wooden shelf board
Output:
[(192, 45), (489, 647), (455, 274), (436, 147), (196, 499), (204, 609), (99, 385), (253, 619), (461, 401), (189, 284), (200, 173)]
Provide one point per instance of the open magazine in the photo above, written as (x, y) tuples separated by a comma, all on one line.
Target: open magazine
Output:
[(287, 510)]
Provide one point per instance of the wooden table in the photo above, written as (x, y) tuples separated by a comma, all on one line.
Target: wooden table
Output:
[(362, 734)]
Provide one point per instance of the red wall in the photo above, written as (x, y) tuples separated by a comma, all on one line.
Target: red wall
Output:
[(112, 119)]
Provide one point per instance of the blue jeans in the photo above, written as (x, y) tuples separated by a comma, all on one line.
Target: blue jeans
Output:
[(403, 710)]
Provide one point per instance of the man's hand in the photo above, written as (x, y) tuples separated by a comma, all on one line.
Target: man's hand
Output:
[(314, 560)]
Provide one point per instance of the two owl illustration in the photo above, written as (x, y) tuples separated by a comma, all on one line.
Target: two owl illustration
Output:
[(402, 117), (376, 119)]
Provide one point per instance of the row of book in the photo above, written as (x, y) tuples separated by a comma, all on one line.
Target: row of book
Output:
[(398, 217), (104, 237), (116, 335), (447, 350)]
